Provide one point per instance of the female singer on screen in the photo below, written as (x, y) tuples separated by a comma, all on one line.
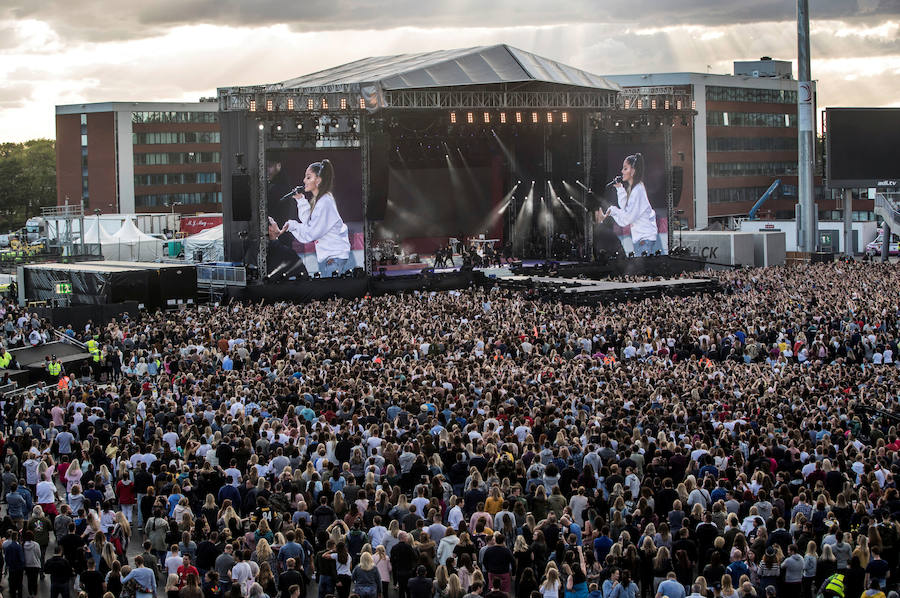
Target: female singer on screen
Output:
[(634, 208), (319, 220)]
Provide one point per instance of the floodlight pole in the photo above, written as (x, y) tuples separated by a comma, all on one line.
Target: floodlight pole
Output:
[(805, 133)]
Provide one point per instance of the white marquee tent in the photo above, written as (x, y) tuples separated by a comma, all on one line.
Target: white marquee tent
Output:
[(130, 244), (210, 241)]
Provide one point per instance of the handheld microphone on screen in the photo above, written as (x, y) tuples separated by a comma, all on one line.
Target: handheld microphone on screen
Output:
[(615, 181), (290, 193)]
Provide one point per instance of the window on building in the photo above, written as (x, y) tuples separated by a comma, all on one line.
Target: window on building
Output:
[(174, 117), (730, 169), (751, 144), (177, 178), (151, 159), (717, 118), (84, 141), (715, 93), (171, 137)]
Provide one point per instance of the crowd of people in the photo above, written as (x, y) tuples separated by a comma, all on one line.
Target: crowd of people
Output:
[(474, 443), (21, 328)]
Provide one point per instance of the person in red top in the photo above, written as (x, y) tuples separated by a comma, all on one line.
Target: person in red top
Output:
[(127, 496), (186, 569)]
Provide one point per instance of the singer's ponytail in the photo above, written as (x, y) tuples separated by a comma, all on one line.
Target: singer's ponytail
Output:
[(637, 163), (325, 171)]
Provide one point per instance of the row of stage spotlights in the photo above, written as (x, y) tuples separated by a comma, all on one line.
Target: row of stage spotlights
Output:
[(321, 125), (516, 117), (310, 104)]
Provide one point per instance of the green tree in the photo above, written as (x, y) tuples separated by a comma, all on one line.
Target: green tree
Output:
[(27, 180)]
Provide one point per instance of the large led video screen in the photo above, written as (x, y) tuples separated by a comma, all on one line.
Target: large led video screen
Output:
[(862, 147), (637, 207), (315, 210)]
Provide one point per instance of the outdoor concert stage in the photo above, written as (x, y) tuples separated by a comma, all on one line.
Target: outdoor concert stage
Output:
[(572, 282), (590, 292), (492, 148)]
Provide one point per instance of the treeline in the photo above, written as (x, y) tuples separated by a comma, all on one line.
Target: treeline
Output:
[(27, 181)]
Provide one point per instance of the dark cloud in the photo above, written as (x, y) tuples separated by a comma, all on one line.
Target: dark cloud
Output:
[(102, 20)]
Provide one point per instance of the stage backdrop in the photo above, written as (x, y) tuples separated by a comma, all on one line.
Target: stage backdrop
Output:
[(426, 206), (285, 170), (654, 182)]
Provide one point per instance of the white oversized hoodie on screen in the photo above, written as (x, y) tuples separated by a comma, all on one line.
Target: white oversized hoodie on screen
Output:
[(324, 227), (637, 212)]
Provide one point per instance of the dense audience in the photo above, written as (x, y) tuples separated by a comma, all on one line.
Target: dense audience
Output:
[(476, 443)]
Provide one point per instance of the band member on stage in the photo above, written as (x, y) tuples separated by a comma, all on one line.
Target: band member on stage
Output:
[(319, 221), (634, 208)]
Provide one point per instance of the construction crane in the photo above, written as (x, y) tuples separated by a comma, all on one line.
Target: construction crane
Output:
[(752, 214)]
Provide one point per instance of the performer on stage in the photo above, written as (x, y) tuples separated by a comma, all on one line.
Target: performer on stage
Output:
[(634, 208), (319, 221)]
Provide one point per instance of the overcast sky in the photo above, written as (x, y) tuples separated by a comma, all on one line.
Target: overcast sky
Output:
[(74, 51)]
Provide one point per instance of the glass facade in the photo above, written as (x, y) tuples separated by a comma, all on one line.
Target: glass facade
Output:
[(174, 117), (151, 159), (85, 196), (731, 169), (146, 201), (751, 144), (179, 178), (186, 137), (838, 215), (736, 194), (715, 93), (716, 118)]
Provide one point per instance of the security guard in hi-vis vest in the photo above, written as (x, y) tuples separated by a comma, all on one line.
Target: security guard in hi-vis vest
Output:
[(54, 368), (6, 359), (833, 587)]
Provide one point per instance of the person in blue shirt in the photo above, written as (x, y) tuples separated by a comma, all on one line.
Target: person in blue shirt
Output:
[(611, 582), (670, 588), (602, 545), (144, 578), (14, 555), (227, 363), (230, 492)]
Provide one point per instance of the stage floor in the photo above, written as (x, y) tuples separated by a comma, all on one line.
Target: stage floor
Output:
[(491, 271)]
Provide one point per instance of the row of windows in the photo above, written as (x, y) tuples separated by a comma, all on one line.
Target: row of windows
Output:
[(180, 178), (177, 158), (174, 117), (716, 93), (146, 201), (838, 215), (84, 160), (716, 118), (170, 137), (727, 169), (751, 144), (734, 195)]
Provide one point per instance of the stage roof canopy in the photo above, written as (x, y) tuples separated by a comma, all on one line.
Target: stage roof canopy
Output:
[(482, 65), (379, 80)]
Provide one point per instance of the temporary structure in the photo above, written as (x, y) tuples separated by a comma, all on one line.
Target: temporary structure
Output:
[(91, 234), (133, 245), (210, 241)]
